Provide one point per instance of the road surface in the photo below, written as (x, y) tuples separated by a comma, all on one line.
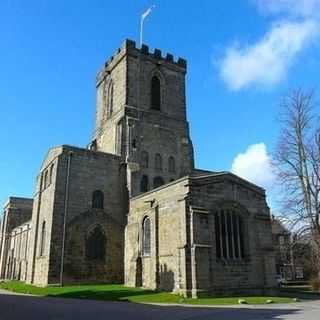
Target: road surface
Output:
[(21, 307)]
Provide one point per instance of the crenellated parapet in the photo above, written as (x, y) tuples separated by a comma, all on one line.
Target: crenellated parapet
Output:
[(129, 47)]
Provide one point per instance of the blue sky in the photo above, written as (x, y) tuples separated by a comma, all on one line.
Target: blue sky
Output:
[(242, 57)]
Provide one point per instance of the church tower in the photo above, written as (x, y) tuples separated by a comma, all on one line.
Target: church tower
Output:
[(141, 116)]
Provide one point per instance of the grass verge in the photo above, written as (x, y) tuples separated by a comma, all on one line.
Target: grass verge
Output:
[(116, 292)]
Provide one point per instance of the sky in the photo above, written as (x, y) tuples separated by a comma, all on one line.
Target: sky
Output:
[(243, 56)]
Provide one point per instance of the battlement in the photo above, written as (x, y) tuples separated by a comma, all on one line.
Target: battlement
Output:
[(130, 47)]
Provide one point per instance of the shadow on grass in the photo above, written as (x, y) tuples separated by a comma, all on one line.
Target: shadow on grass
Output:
[(110, 295), (303, 293)]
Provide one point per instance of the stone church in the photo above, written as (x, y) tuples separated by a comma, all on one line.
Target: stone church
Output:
[(131, 207)]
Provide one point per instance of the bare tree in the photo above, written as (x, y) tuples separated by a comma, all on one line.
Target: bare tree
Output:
[(297, 164)]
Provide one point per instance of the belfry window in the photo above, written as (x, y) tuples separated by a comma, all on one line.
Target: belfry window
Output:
[(229, 231), (171, 164), (155, 93), (144, 159), (96, 244), (158, 162), (157, 182), (97, 200), (146, 237), (144, 184)]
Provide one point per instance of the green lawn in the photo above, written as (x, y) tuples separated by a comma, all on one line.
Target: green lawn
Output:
[(117, 292)]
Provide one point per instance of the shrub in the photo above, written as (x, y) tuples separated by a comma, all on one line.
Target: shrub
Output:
[(315, 284)]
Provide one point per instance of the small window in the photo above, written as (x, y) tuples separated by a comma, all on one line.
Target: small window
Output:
[(118, 146), (155, 93), (144, 159), (158, 162), (171, 164), (96, 245), (97, 200), (144, 184), (134, 144), (110, 99), (43, 238), (146, 239), (157, 182)]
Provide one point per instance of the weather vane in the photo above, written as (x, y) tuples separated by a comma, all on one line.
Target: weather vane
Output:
[(143, 16)]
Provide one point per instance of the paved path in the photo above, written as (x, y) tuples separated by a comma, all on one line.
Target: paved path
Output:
[(14, 307)]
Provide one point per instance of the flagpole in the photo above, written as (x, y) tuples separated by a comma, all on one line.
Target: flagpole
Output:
[(143, 16), (141, 30)]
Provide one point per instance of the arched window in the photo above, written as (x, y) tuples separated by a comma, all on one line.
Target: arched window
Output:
[(43, 238), (144, 184), (229, 231), (144, 159), (146, 238), (157, 182), (96, 244), (110, 99), (158, 162), (155, 93), (97, 200), (171, 164)]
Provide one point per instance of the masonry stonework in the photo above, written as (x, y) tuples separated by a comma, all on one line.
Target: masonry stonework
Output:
[(131, 207)]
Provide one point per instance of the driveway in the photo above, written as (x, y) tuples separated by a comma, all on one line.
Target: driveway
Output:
[(17, 307)]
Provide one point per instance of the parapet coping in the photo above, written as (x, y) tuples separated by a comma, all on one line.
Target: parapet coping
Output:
[(201, 177), (129, 44), (18, 200)]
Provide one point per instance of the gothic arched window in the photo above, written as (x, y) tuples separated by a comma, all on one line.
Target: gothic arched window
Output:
[(97, 200), (144, 184), (171, 164), (155, 93), (43, 238), (146, 238), (158, 162), (144, 159), (96, 244), (157, 182), (229, 231)]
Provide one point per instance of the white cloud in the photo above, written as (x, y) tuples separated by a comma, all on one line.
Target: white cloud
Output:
[(254, 165), (267, 62), (296, 8)]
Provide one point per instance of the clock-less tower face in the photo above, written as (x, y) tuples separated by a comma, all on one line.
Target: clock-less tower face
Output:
[(141, 116)]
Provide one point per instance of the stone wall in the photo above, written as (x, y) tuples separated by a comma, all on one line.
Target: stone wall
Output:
[(17, 262), (183, 257), (134, 127), (17, 211), (164, 268), (78, 173)]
